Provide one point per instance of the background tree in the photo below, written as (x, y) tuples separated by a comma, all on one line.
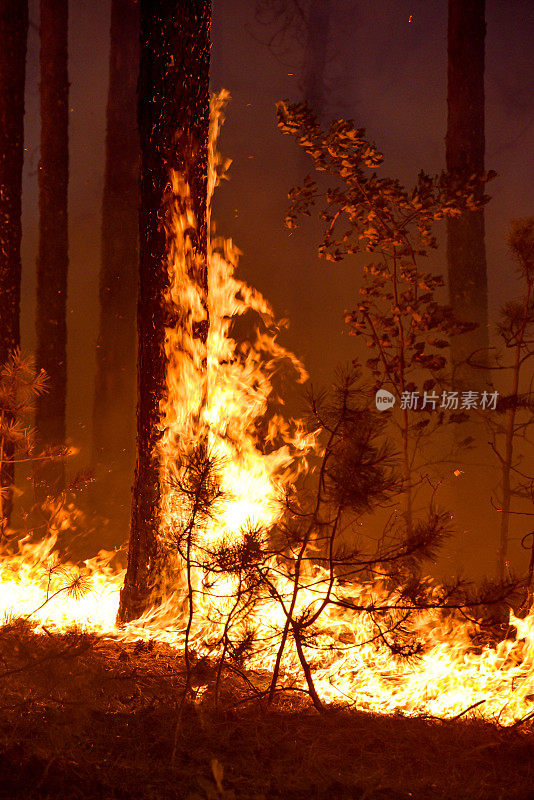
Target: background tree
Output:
[(316, 55), (114, 400), (53, 253), (174, 126), (465, 144), (13, 42)]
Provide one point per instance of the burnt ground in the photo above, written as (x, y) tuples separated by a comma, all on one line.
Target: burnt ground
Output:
[(82, 717)]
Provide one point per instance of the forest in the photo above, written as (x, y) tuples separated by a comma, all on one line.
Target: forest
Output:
[(266, 400)]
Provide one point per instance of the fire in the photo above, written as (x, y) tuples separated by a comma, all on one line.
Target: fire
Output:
[(218, 392), (34, 585)]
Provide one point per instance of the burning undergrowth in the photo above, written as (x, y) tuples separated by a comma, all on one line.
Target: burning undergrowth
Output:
[(84, 717)]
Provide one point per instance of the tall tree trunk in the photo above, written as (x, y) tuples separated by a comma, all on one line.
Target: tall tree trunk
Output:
[(114, 400), (13, 42), (465, 144), (174, 125), (315, 56), (466, 253), (53, 254)]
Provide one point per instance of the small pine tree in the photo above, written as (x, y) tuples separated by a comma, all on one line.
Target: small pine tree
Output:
[(20, 386), (290, 586)]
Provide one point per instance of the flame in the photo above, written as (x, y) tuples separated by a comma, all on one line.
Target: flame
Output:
[(218, 392)]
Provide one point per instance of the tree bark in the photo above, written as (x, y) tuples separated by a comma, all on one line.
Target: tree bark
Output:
[(114, 400), (174, 125), (465, 144), (13, 42), (53, 253)]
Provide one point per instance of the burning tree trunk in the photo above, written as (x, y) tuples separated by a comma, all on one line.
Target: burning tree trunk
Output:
[(114, 401), (13, 40), (174, 126), (466, 253), (53, 255)]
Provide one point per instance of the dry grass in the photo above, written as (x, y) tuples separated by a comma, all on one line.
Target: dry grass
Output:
[(85, 718)]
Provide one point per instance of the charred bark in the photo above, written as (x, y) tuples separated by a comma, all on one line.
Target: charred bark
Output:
[(53, 254), (114, 400), (465, 145), (173, 124), (13, 42)]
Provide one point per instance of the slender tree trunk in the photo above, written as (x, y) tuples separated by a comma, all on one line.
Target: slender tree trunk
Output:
[(510, 432), (114, 400), (174, 124), (53, 254), (315, 56), (13, 42), (465, 144)]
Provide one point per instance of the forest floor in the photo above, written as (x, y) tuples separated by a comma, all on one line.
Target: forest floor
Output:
[(82, 717)]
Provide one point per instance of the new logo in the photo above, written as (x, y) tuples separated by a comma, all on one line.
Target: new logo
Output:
[(384, 400)]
